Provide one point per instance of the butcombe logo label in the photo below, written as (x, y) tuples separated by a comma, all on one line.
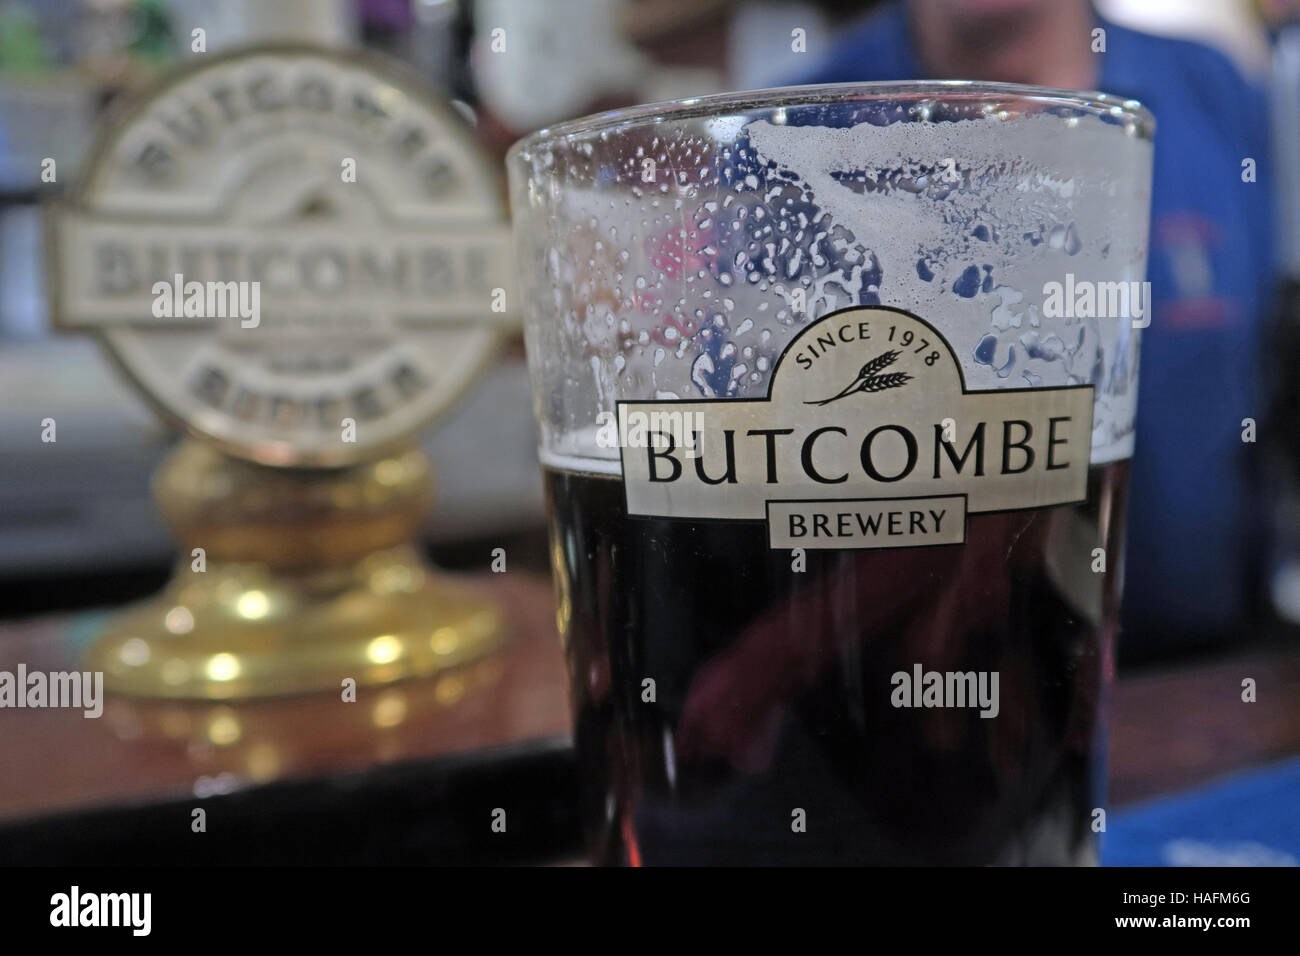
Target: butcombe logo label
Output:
[(284, 238), (867, 438)]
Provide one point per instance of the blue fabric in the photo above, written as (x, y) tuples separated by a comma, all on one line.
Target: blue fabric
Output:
[(1196, 518), (1250, 819)]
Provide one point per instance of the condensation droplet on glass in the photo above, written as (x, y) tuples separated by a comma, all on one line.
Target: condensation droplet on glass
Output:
[(1072, 244), (701, 368)]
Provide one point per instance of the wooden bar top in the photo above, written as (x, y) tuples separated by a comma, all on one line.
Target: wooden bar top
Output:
[(1170, 728), (56, 759)]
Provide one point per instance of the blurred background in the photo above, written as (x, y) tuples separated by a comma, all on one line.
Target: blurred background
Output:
[(1214, 557)]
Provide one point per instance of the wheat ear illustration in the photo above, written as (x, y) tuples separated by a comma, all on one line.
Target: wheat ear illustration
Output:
[(868, 381), (878, 383), (883, 360)]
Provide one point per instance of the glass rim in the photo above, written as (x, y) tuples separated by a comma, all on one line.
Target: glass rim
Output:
[(1092, 102)]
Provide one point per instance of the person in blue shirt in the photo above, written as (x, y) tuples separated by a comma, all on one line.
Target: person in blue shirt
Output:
[(1197, 515)]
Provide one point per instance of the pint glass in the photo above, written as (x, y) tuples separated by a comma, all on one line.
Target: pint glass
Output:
[(836, 389)]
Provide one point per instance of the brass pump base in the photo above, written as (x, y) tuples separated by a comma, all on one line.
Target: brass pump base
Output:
[(305, 579)]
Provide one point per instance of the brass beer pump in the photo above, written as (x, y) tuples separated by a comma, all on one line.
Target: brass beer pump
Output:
[(291, 581), (357, 208)]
